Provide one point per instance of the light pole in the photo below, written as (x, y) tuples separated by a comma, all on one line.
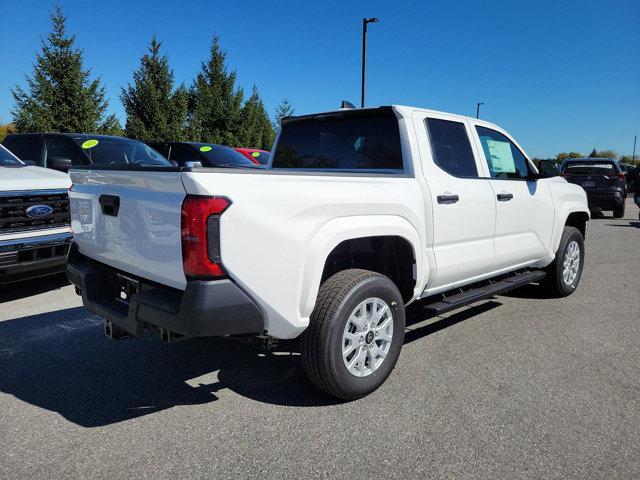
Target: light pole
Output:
[(478, 109), (635, 137), (365, 21)]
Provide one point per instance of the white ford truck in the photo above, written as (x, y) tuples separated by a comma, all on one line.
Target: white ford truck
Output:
[(34, 220), (360, 213)]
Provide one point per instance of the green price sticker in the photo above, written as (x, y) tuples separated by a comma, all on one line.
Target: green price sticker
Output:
[(90, 143), (255, 154), (205, 148)]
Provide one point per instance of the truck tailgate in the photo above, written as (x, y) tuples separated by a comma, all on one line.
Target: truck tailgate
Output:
[(130, 220)]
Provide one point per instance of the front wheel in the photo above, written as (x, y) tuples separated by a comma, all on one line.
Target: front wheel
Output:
[(563, 275), (355, 334)]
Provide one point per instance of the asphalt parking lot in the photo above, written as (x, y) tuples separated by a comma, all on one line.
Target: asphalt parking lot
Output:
[(518, 386)]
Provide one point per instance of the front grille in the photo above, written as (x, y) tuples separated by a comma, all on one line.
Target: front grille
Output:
[(14, 205)]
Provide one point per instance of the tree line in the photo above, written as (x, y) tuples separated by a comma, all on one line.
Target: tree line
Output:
[(562, 156), (61, 96)]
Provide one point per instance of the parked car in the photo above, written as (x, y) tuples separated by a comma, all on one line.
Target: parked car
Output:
[(208, 154), (363, 212), (62, 150), (602, 179), (34, 220), (261, 157)]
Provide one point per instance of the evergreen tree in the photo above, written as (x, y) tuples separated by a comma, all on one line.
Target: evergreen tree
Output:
[(60, 95), (256, 128), (155, 111), (285, 109), (214, 102)]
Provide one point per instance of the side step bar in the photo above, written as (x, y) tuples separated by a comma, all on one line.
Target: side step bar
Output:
[(476, 294)]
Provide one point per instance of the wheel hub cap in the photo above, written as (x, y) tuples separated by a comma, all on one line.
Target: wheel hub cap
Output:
[(571, 263), (367, 336)]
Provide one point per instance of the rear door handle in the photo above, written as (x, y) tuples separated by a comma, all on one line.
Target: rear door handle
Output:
[(110, 204), (447, 199), (505, 197)]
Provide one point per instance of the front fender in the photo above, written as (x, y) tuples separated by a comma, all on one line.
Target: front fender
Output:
[(336, 231)]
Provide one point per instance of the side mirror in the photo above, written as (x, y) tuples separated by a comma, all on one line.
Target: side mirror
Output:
[(29, 163), (548, 168), (62, 164), (174, 164)]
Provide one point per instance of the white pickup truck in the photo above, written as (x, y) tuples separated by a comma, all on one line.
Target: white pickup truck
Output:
[(34, 220), (360, 213)]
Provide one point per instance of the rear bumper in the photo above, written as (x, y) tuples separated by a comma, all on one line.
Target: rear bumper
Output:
[(205, 308), (605, 200), (26, 258)]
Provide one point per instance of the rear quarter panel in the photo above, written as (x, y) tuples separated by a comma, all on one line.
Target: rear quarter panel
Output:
[(280, 228)]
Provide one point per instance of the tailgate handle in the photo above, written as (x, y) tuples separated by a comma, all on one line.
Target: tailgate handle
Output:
[(110, 204)]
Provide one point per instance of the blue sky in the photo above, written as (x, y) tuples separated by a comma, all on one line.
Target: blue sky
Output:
[(559, 75)]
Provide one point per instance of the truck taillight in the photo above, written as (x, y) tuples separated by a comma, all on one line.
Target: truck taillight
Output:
[(201, 235)]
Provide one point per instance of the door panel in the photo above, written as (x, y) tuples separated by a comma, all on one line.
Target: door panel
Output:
[(523, 223), (462, 208), (524, 207)]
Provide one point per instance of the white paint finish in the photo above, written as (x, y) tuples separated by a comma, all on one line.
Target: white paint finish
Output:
[(463, 231), (523, 224), (32, 178), (277, 233), (280, 228), (144, 239)]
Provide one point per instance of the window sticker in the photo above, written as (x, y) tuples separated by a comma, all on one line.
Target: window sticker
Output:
[(255, 154), (90, 143), (501, 160), (205, 148)]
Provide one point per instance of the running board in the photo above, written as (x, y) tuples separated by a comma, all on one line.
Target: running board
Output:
[(486, 291)]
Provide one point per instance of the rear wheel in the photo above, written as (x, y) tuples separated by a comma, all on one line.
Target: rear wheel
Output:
[(355, 334), (563, 275), (619, 212)]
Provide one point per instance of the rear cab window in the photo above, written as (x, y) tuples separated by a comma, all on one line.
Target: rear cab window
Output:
[(358, 141)]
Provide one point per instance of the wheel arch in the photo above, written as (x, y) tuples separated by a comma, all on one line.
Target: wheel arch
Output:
[(357, 228), (573, 214)]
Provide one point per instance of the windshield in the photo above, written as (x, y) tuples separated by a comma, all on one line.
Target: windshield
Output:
[(590, 168), (221, 156), (7, 159), (115, 150)]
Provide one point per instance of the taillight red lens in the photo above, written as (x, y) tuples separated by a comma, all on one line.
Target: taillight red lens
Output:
[(196, 212), (621, 176)]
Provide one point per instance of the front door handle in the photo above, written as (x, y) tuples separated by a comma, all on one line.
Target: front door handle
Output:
[(505, 197), (447, 199)]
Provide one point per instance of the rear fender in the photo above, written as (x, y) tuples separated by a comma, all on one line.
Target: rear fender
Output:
[(335, 231)]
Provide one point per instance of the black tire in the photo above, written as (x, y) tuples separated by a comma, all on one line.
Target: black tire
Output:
[(554, 282), (619, 212), (322, 341)]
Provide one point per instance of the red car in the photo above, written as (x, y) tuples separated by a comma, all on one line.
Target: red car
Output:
[(260, 157)]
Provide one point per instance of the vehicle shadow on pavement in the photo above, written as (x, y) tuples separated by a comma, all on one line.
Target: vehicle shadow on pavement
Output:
[(415, 315), (35, 286), (631, 224), (61, 361)]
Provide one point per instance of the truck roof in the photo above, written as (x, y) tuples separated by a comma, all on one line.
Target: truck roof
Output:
[(404, 111)]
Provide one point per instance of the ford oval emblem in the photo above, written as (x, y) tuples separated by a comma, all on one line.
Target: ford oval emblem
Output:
[(37, 211)]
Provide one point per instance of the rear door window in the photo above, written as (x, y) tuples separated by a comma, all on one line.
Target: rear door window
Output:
[(451, 147), (361, 141), (26, 148)]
